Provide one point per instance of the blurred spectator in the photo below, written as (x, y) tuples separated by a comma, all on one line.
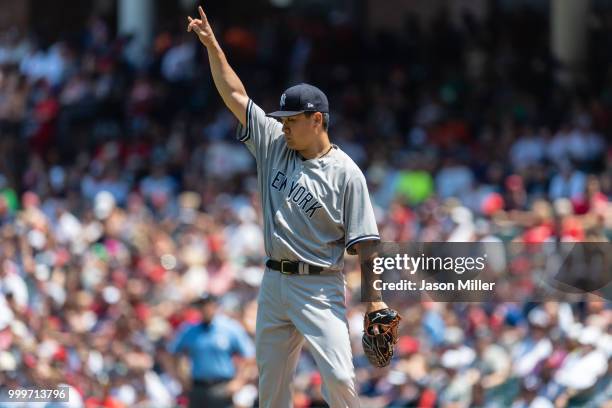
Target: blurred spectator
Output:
[(568, 183)]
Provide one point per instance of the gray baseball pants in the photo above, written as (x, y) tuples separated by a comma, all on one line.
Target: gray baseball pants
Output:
[(292, 310)]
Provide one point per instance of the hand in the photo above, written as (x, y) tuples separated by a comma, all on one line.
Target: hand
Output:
[(373, 307), (202, 28), (380, 334)]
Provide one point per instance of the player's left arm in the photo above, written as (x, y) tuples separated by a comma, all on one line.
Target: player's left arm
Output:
[(361, 235), (380, 322), (366, 250)]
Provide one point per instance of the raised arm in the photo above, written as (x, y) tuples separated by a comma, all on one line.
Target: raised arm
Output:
[(227, 82)]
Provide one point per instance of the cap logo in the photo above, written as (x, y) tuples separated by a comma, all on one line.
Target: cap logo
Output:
[(310, 105), (282, 101)]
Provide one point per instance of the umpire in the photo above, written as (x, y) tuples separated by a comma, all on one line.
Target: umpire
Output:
[(210, 346)]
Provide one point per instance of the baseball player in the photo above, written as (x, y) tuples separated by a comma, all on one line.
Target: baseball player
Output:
[(316, 205)]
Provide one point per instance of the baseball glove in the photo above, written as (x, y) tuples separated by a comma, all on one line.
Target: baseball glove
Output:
[(378, 344)]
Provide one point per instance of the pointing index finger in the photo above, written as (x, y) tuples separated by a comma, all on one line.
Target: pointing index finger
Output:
[(202, 15)]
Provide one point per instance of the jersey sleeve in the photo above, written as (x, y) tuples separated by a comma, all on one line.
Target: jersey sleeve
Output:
[(359, 221), (259, 132)]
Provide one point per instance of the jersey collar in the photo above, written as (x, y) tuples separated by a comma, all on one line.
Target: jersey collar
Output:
[(328, 154)]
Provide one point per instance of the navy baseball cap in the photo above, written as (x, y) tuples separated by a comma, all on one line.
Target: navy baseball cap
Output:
[(299, 99)]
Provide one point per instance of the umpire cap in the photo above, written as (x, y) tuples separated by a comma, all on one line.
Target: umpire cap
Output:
[(299, 99)]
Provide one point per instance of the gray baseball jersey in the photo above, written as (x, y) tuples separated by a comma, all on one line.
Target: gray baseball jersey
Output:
[(313, 209)]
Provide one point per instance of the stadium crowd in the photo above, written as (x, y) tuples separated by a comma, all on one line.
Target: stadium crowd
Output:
[(124, 196)]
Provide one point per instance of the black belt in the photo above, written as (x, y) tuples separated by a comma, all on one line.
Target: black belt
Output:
[(294, 267)]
